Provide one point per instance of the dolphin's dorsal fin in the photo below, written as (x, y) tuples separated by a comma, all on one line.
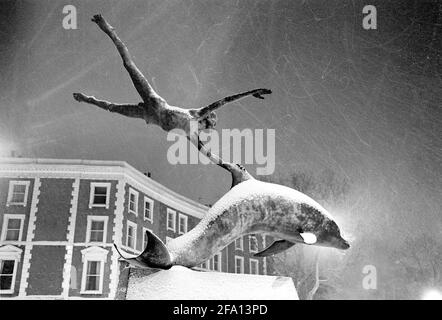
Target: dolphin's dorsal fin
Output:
[(276, 247), (155, 255)]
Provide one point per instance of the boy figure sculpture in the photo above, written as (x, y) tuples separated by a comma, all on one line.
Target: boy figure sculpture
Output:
[(154, 109)]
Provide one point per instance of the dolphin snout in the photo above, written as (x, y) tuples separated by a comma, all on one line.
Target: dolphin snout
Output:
[(339, 243), (343, 244)]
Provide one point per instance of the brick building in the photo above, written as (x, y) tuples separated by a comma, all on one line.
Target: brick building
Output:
[(60, 218)]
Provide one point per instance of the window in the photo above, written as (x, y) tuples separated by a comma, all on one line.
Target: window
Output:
[(182, 223), (204, 265), (94, 259), (18, 193), (253, 243), (93, 276), (239, 264), (99, 196), (215, 262), (171, 216), (133, 201), (239, 244), (253, 264), (12, 227), (148, 209), (96, 228), (7, 268), (9, 259), (131, 239)]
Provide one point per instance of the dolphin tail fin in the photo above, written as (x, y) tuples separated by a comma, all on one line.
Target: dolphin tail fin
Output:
[(155, 255), (276, 247), (131, 260)]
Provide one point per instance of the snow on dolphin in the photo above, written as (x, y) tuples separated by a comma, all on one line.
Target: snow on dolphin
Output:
[(250, 207)]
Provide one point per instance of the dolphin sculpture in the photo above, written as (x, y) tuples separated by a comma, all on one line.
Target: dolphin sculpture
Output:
[(250, 207)]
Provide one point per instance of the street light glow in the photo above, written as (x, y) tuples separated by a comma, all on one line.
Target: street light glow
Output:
[(432, 294)]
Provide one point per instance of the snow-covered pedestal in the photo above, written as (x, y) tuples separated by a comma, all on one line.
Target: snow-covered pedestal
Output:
[(186, 284)]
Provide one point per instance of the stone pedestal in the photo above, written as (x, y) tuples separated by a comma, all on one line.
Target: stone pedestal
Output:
[(180, 283)]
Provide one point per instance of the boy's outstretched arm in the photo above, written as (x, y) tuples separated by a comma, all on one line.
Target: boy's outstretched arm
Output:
[(257, 93)]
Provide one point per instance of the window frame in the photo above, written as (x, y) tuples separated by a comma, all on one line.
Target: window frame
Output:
[(92, 254), (11, 253), (211, 263), (6, 218), (105, 219), (186, 218), (250, 266), (134, 225), (134, 192), (173, 212), (151, 203), (250, 241), (12, 184), (93, 185), (241, 241), (242, 264)]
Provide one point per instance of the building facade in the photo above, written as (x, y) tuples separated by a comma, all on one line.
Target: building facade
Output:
[(60, 218)]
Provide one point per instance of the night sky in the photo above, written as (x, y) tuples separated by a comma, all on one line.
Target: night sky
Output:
[(366, 104)]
